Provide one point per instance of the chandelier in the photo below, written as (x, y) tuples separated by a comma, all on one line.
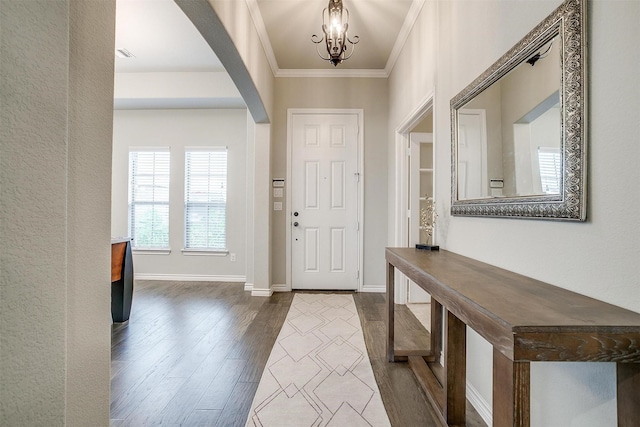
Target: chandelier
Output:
[(335, 34)]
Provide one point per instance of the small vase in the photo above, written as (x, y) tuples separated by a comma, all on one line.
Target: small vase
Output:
[(426, 247)]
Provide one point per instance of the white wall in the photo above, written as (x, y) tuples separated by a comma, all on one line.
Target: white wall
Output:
[(598, 258), (367, 94), (57, 98), (178, 129)]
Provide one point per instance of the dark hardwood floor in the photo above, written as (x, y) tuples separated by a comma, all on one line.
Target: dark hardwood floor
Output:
[(192, 354)]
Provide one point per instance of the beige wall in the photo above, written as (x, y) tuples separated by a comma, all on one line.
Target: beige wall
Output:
[(369, 95), (57, 103), (238, 23), (411, 81), (177, 130), (473, 35), (425, 126)]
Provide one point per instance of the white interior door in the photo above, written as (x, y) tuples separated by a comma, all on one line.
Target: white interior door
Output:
[(472, 154), (324, 203)]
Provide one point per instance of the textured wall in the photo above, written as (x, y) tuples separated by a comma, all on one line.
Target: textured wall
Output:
[(56, 96), (370, 95), (597, 258)]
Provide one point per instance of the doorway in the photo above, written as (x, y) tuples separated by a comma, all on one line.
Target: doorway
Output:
[(417, 165), (421, 196), (324, 200)]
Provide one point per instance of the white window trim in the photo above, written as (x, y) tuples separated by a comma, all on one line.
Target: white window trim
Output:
[(151, 251), (141, 250), (205, 251)]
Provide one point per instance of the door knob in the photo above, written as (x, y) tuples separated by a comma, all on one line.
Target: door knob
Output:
[(295, 214), (295, 224)]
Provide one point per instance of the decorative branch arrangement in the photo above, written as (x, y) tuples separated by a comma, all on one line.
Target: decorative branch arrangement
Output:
[(428, 217)]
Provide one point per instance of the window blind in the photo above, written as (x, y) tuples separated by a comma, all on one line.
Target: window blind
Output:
[(149, 199), (550, 163), (206, 199)]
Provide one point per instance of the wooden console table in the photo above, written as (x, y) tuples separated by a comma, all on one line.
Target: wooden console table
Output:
[(121, 278), (525, 321)]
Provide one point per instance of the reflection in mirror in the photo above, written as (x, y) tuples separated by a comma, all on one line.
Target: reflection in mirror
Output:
[(503, 130), (518, 131)]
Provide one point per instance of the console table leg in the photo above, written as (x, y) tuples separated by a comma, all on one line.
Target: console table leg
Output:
[(511, 392), (390, 311), (628, 400), (455, 366), (436, 328)]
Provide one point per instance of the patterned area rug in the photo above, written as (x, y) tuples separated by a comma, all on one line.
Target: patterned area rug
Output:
[(318, 373)]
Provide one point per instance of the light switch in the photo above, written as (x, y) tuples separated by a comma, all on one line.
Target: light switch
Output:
[(277, 206), (278, 192)]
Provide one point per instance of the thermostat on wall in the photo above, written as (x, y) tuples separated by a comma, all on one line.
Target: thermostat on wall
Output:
[(278, 182)]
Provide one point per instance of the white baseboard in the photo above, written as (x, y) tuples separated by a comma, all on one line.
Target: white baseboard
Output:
[(282, 287), (374, 288), (274, 288), (481, 406), (190, 277), (261, 292)]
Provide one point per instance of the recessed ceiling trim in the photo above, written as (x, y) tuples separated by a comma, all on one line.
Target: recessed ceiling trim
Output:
[(403, 35), (206, 103), (258, 22), (381, 74)]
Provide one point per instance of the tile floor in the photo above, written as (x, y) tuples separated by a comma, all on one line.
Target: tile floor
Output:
[(422, 311)]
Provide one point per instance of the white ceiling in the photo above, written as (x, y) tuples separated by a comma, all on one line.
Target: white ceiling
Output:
[(163, 39)]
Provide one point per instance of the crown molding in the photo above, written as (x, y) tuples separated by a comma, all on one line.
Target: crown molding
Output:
[(403, 35), (258, 22), (332, 72), (407, 26)]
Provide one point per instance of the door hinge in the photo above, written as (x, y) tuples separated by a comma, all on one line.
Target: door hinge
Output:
[(358, 274), (408, 151), (409, 213), (358, 226), (357, 175)]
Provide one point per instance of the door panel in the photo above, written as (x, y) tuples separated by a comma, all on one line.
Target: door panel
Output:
[(324, 175), (311, 250), (338, 185), (472, 155)]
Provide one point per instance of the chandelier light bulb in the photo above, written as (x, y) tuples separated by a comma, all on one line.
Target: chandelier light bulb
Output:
[(335, 34)]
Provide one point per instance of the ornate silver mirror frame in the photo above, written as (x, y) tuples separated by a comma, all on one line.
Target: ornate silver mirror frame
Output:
[(568, 25)]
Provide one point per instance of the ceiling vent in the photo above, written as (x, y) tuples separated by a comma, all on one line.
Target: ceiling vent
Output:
[(124, 53)]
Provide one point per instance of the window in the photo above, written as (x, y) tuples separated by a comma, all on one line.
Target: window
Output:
[(550, 163), (149, 199), (206, 199)]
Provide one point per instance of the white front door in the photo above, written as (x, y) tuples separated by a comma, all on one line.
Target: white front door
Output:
[(324, 203)]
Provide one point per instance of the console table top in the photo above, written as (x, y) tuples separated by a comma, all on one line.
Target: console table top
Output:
[(517, 313)]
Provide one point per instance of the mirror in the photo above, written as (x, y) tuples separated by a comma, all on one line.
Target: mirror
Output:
[(519, 130)]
